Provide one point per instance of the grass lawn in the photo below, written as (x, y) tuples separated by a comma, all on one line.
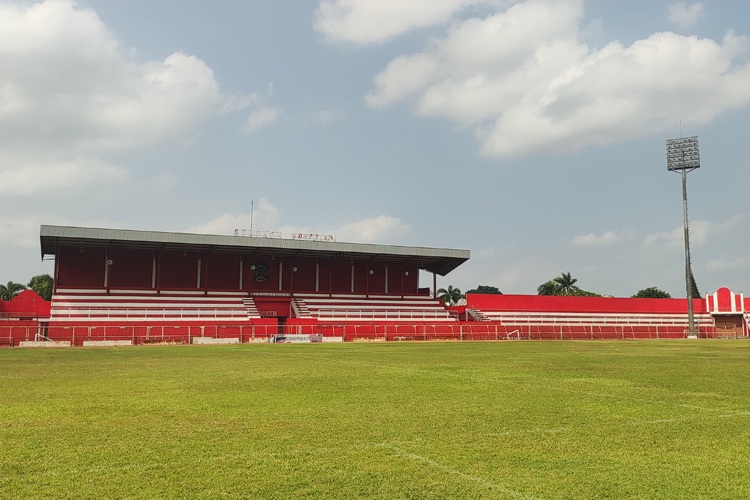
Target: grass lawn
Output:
[(533, 420)]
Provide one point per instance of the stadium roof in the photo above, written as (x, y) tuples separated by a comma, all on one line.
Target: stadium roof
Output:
[(436, 260)]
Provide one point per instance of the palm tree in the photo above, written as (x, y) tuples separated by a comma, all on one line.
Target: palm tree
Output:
[(451, 296), (549, 288), (566, 283), (7, 292)]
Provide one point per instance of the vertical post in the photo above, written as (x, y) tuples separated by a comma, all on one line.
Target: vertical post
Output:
[(57, 268), (434, 285), (153, 271), (688, 281), (242, 264), (198, 280), (158, 271), (281, 273), (205, 285), (317, 276), (106, 270)]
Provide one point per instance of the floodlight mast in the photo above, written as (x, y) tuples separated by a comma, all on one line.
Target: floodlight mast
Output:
[(683, 156)]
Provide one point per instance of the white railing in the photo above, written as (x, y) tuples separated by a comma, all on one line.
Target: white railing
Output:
[(115, 313), (299, 311), (594, 320), (384, 314), (477, 314)]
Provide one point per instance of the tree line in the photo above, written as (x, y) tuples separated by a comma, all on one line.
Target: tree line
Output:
[(42, 284), (563, 286)]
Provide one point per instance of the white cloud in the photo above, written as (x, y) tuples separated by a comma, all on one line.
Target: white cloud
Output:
[(684, 15), (524, 80), (261, 117), (266, 217), (700, 232), (605, 239), (59, 178), (70, 91), (67, 79), (523, 272), (374, 21), (327, 116), (373, 230), (729, 265), (23, 230), (166, 181), (588, 240)]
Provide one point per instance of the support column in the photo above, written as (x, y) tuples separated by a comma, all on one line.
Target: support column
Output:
[(198, 282), (158, 272), (386, 277), (106, 271), (281, 273), (352, 276), (205, 285), (57, 268), (688, 273), (317, 276), (434, 285), (153, 271), (242, 265)]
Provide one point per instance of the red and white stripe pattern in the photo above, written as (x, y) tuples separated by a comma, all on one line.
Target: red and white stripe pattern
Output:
[(520, 318), (346, 307), (118, 306)]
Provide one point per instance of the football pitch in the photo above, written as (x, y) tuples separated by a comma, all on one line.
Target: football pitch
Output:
[(524, 420)]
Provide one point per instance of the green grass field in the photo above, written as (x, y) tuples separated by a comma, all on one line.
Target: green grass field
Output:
[(535, 420)]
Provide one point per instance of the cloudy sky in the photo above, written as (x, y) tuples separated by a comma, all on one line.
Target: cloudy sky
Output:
[(531, 133)]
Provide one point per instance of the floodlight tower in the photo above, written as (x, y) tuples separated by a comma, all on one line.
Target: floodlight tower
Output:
[(682, 156)]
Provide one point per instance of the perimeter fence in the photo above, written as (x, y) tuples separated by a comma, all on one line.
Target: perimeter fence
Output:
[(78, 335)]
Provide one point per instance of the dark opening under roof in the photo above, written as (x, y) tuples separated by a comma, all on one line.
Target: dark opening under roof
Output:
[(436, 260)]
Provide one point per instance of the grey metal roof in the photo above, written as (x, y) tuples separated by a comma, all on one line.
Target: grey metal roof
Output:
[(437, 260)]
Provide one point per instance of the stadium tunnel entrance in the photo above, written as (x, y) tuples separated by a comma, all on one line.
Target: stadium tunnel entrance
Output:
[(279, 308)]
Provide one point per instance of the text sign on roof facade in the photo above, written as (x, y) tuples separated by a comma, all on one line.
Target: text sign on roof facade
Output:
[(682, 154), (314, 237), (257, 234)]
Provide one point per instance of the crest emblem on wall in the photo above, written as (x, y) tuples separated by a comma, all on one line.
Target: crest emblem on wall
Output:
[(261, 273)]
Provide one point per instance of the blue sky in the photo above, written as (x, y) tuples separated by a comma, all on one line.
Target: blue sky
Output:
[(531, 133)]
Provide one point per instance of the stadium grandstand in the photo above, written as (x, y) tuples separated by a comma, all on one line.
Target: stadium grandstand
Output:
[(125, 287)]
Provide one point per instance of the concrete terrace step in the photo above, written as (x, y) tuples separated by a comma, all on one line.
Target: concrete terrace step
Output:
[(251, 307)]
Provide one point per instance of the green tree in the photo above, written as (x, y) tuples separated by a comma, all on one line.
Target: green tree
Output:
[(651, 293), (566, 283), (451, 296), (7, 292), (549, 288), (696, 293), (42, 284), (485, 289), (577, 292)]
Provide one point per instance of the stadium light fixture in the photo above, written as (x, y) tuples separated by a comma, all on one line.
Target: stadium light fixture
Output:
[(683, 157)]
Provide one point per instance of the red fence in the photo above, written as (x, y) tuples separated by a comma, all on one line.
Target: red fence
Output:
[(179, 334)]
